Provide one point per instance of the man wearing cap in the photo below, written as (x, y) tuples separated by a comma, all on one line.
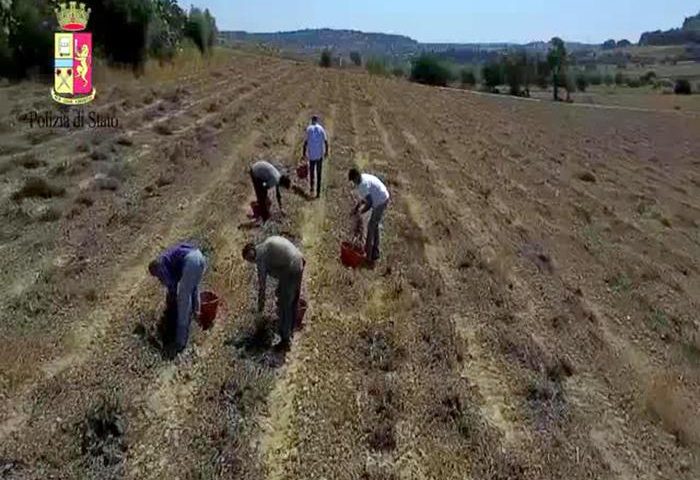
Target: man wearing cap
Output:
[(180, 269), (374, 196), (315, 150), (266, 176), (279, 258)]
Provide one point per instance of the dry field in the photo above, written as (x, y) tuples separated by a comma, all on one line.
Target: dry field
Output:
[(535, 315)]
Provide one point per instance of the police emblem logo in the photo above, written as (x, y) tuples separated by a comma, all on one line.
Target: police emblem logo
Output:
[(73, 56)]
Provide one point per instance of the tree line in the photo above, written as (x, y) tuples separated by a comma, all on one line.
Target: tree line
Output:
[(125, 32)]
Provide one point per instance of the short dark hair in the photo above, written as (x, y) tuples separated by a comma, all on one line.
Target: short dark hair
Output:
[(354, 174), (153, 267), (248, 247), (285, 181)]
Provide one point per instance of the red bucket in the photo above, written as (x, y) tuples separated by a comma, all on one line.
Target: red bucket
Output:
[(209, 305), (301, 311), (255, 210), (302, 171), (351, 255)]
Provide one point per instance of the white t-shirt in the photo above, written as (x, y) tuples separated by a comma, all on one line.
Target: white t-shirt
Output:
[(372, 186), (316, 142)]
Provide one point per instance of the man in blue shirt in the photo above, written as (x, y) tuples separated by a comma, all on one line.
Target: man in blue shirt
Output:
[(315, 150), (180, 269)]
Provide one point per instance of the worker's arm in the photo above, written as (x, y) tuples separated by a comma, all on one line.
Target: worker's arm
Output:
[(365, 205), (325, 139), (303, 149), (262, 287)]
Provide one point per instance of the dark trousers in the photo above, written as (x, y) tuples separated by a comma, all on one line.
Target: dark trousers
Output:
[(288, 293), (261, 197), (315, 173)]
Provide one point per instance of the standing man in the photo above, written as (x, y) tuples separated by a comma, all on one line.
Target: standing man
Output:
[(180, 269), (265, 176), (374, 196), (315, 150), (279, 258)]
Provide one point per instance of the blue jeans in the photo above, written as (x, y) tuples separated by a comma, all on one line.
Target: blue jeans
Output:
[(188, 296)]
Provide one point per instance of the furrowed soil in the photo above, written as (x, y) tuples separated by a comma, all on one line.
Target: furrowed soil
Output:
[(533, 316)]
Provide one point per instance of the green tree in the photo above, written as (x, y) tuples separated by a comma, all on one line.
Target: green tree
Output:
[(201, 29), (619, 78), (430, 70), (492, 75), (120, 30), (608, 79), (682, 87), (26, 37), (356, 58), (468, 78), (166, 29), (326, 59), (557, 58)]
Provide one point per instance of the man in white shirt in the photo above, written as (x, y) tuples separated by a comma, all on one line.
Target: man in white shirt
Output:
[(374, 196), (315, 150)]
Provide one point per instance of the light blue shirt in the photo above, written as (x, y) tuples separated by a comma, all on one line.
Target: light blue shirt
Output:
[(316, 142)]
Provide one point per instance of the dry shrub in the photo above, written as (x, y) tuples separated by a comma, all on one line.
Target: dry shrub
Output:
[(37, 187), (586, 177), (668, 402), (163, 129), (29, 161)]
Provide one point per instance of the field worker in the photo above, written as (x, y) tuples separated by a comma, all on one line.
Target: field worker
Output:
[(315, 150), (180, 269), (266, 176), (374, 196), (279, 258)]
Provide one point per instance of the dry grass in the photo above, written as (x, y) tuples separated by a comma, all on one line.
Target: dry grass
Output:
[(669, 402)]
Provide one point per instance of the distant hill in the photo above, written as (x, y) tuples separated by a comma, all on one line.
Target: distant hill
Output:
[(689, 33), (342, 42)]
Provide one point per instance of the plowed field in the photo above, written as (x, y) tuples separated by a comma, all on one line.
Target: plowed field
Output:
[(534, 316)]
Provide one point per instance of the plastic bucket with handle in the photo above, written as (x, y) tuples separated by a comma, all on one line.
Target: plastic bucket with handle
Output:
[(302, 171), (209, 304), (351, 255)]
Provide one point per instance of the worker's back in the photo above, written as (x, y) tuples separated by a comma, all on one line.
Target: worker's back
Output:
[(279, 256)]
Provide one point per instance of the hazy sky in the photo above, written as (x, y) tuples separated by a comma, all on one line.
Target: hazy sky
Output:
[(459, 20)]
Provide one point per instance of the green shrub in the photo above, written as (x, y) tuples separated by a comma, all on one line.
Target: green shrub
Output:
[(356, 58), (326, 59), (608, 80), (398, 72), (619, 78), (682, 87), (376, 66), (595, 78), (430, 70), (648, 78), (468, 78), (633, 82), (581, 83)]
